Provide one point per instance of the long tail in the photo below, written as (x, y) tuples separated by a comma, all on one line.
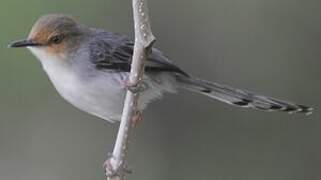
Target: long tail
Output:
[(241, 98)]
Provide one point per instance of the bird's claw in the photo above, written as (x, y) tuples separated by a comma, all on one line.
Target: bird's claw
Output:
[(132, 87), (135, 87)]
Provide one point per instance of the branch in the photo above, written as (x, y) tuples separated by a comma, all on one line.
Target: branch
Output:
[(144, 39)]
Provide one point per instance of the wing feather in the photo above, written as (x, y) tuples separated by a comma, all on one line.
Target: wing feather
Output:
[(111, 51)]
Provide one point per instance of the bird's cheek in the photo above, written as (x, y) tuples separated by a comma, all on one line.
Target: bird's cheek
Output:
[(56, 49)]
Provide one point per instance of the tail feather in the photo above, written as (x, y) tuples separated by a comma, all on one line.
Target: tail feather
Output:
[(240, 98)]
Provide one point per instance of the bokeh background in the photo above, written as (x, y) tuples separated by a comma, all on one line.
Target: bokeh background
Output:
[(269, 46)]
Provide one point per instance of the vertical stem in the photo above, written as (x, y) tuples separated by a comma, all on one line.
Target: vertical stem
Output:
[(144, 40)]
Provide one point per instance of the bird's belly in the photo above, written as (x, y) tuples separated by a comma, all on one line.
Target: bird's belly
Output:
[(102, 100), (96, 92), (103, 94)]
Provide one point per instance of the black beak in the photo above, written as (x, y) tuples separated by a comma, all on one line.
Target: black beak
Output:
[(23, 43)]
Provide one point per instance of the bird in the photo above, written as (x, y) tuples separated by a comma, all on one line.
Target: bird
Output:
[(89, 67)]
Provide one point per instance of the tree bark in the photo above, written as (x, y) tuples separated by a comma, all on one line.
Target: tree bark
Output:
[(144, 39)]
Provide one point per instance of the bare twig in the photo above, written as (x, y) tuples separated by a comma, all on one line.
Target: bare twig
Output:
[(115, 165)]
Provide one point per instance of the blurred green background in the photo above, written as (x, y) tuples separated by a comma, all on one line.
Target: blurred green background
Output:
[(269, 46)]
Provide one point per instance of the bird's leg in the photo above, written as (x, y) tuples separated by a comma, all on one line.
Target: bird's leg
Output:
[(138, 117)]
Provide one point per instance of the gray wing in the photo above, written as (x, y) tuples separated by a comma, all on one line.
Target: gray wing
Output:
[(110, 51)]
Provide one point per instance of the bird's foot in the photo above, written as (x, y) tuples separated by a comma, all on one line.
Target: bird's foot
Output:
[(135, 87), (132, 87)]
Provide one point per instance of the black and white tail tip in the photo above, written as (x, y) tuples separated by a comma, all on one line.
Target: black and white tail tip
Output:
[(281, 106)]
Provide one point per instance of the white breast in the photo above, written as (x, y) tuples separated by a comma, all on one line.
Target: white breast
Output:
[(101, 99), (57, 70), (103, 95)]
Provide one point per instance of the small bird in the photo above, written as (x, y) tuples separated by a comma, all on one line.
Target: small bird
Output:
[(89, 68)]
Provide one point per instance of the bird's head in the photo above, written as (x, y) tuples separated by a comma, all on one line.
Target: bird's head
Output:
[(52, 35)]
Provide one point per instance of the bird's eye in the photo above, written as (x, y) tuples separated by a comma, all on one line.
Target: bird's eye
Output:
[(56, 39)]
